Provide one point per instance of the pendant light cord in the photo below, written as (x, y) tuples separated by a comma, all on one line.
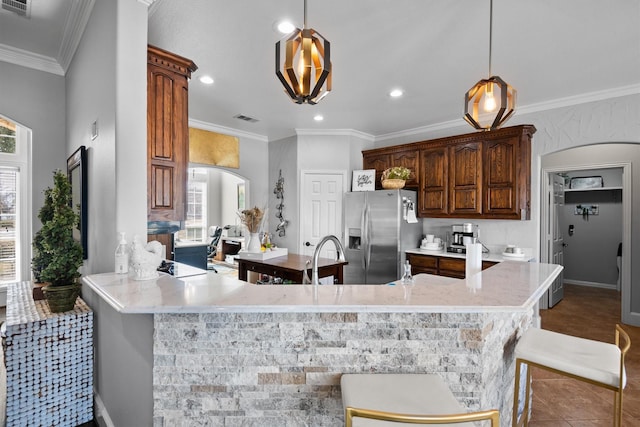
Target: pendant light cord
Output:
[(490, 29), (304, 25)]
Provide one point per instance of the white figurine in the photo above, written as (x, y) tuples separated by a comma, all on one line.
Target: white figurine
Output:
[(144, 260)]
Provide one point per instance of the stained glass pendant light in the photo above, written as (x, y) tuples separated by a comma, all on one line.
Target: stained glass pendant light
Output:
[(492, 101), (305, 72)]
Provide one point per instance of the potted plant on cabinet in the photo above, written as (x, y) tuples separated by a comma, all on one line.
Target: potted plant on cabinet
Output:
[(395, 177), (57, 255)]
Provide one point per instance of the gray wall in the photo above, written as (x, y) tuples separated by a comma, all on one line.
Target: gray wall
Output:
[(36, 99), (591, 252), (334, 151), (124, 362), (283, 155), (106, 81)]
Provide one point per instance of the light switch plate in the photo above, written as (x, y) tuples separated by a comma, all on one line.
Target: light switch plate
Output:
[(94, 130)]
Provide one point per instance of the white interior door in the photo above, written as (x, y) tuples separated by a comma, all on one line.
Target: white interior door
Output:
[(321, 210), (556, 238)]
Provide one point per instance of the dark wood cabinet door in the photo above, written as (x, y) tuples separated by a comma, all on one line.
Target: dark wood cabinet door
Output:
[(423, 264), (465, 180), (500, 180), (379, 162), (452, 267), (167, 134), (434, 188), (410, 160)]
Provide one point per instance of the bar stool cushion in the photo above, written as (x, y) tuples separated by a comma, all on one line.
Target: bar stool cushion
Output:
[(425, 394), (594, 360)]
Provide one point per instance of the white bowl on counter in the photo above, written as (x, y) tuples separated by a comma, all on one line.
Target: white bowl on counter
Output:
[(431, 246)]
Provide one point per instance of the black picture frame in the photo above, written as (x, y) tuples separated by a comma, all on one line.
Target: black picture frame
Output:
[(77, 174)]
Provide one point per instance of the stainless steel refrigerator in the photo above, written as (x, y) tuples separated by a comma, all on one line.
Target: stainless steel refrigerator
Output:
[(377, 234)]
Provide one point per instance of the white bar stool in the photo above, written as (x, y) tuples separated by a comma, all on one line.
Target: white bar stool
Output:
[(595, 362), (398, 399)]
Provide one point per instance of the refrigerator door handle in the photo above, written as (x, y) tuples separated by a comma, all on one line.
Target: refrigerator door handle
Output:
[(363, 237), (367, 238)]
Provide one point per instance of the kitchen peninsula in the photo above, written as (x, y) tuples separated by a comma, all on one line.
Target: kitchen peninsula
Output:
[(209, 348)]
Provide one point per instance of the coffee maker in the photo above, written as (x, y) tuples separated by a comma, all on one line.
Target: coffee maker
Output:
[(462, 234)]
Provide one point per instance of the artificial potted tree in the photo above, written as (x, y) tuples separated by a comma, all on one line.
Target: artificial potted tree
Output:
[(395, 177), (57, 255)]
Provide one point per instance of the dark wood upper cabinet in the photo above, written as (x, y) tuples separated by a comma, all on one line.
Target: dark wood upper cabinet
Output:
[(410, 160), (465, 179), (507, 171), (167, 134), (379, 163), (393, 156), (434, 182), (476, 175)]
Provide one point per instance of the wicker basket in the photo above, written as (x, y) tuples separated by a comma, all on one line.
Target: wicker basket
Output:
[(392, 184)]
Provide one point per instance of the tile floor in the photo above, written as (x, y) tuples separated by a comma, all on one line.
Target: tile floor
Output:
[(562, 402)]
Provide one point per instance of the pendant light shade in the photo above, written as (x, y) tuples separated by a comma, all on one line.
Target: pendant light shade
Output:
[(305, 71), (490, 102)]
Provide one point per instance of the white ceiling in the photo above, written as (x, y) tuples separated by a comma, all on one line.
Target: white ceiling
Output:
[(553, 52)]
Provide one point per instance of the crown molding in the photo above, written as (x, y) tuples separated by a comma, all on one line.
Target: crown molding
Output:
[(30, 60), (225, 130), (77, 20), (527, 109), (422, 130), (583, 98), (336, 132), (152, 5)]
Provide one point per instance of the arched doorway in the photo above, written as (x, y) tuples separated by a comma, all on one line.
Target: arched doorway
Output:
[(595, 157)]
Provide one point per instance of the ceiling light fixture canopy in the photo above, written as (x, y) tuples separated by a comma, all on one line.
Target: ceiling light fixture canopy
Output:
[(490, 102), (305, 72)]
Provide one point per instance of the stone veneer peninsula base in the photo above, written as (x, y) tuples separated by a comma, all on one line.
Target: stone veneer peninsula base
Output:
[(262, 369), (217, 351)]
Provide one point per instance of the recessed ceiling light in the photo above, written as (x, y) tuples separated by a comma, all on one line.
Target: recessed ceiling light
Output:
[(396, 93), (285, 27), (318, 118), (208, 80)]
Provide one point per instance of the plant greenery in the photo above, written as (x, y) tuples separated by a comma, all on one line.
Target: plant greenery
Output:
[(396, 172), (57, 255)]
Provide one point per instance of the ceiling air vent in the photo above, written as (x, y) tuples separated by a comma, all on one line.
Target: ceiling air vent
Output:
[(245, 118), (21, 7)]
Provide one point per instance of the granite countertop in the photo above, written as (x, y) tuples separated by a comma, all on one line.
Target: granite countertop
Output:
[(495, 254), (508, 286)]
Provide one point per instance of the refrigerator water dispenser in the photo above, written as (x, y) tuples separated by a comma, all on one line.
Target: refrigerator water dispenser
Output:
[(354, 239)]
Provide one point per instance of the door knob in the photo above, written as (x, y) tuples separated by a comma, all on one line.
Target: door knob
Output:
[(564, 245), (308, 244)]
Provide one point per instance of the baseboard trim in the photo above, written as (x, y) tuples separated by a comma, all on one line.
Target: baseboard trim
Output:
[(100, 414), (591, 284)]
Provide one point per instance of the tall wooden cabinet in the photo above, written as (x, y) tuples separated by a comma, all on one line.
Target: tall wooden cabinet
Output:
[(167, 134), (476, 175)]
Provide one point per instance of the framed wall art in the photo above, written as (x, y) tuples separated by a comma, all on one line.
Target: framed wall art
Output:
[(364, 180), (77, 173)]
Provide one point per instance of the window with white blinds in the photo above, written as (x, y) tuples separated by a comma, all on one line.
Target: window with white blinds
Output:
[(8, 224), (196, 221), (15, 211)]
